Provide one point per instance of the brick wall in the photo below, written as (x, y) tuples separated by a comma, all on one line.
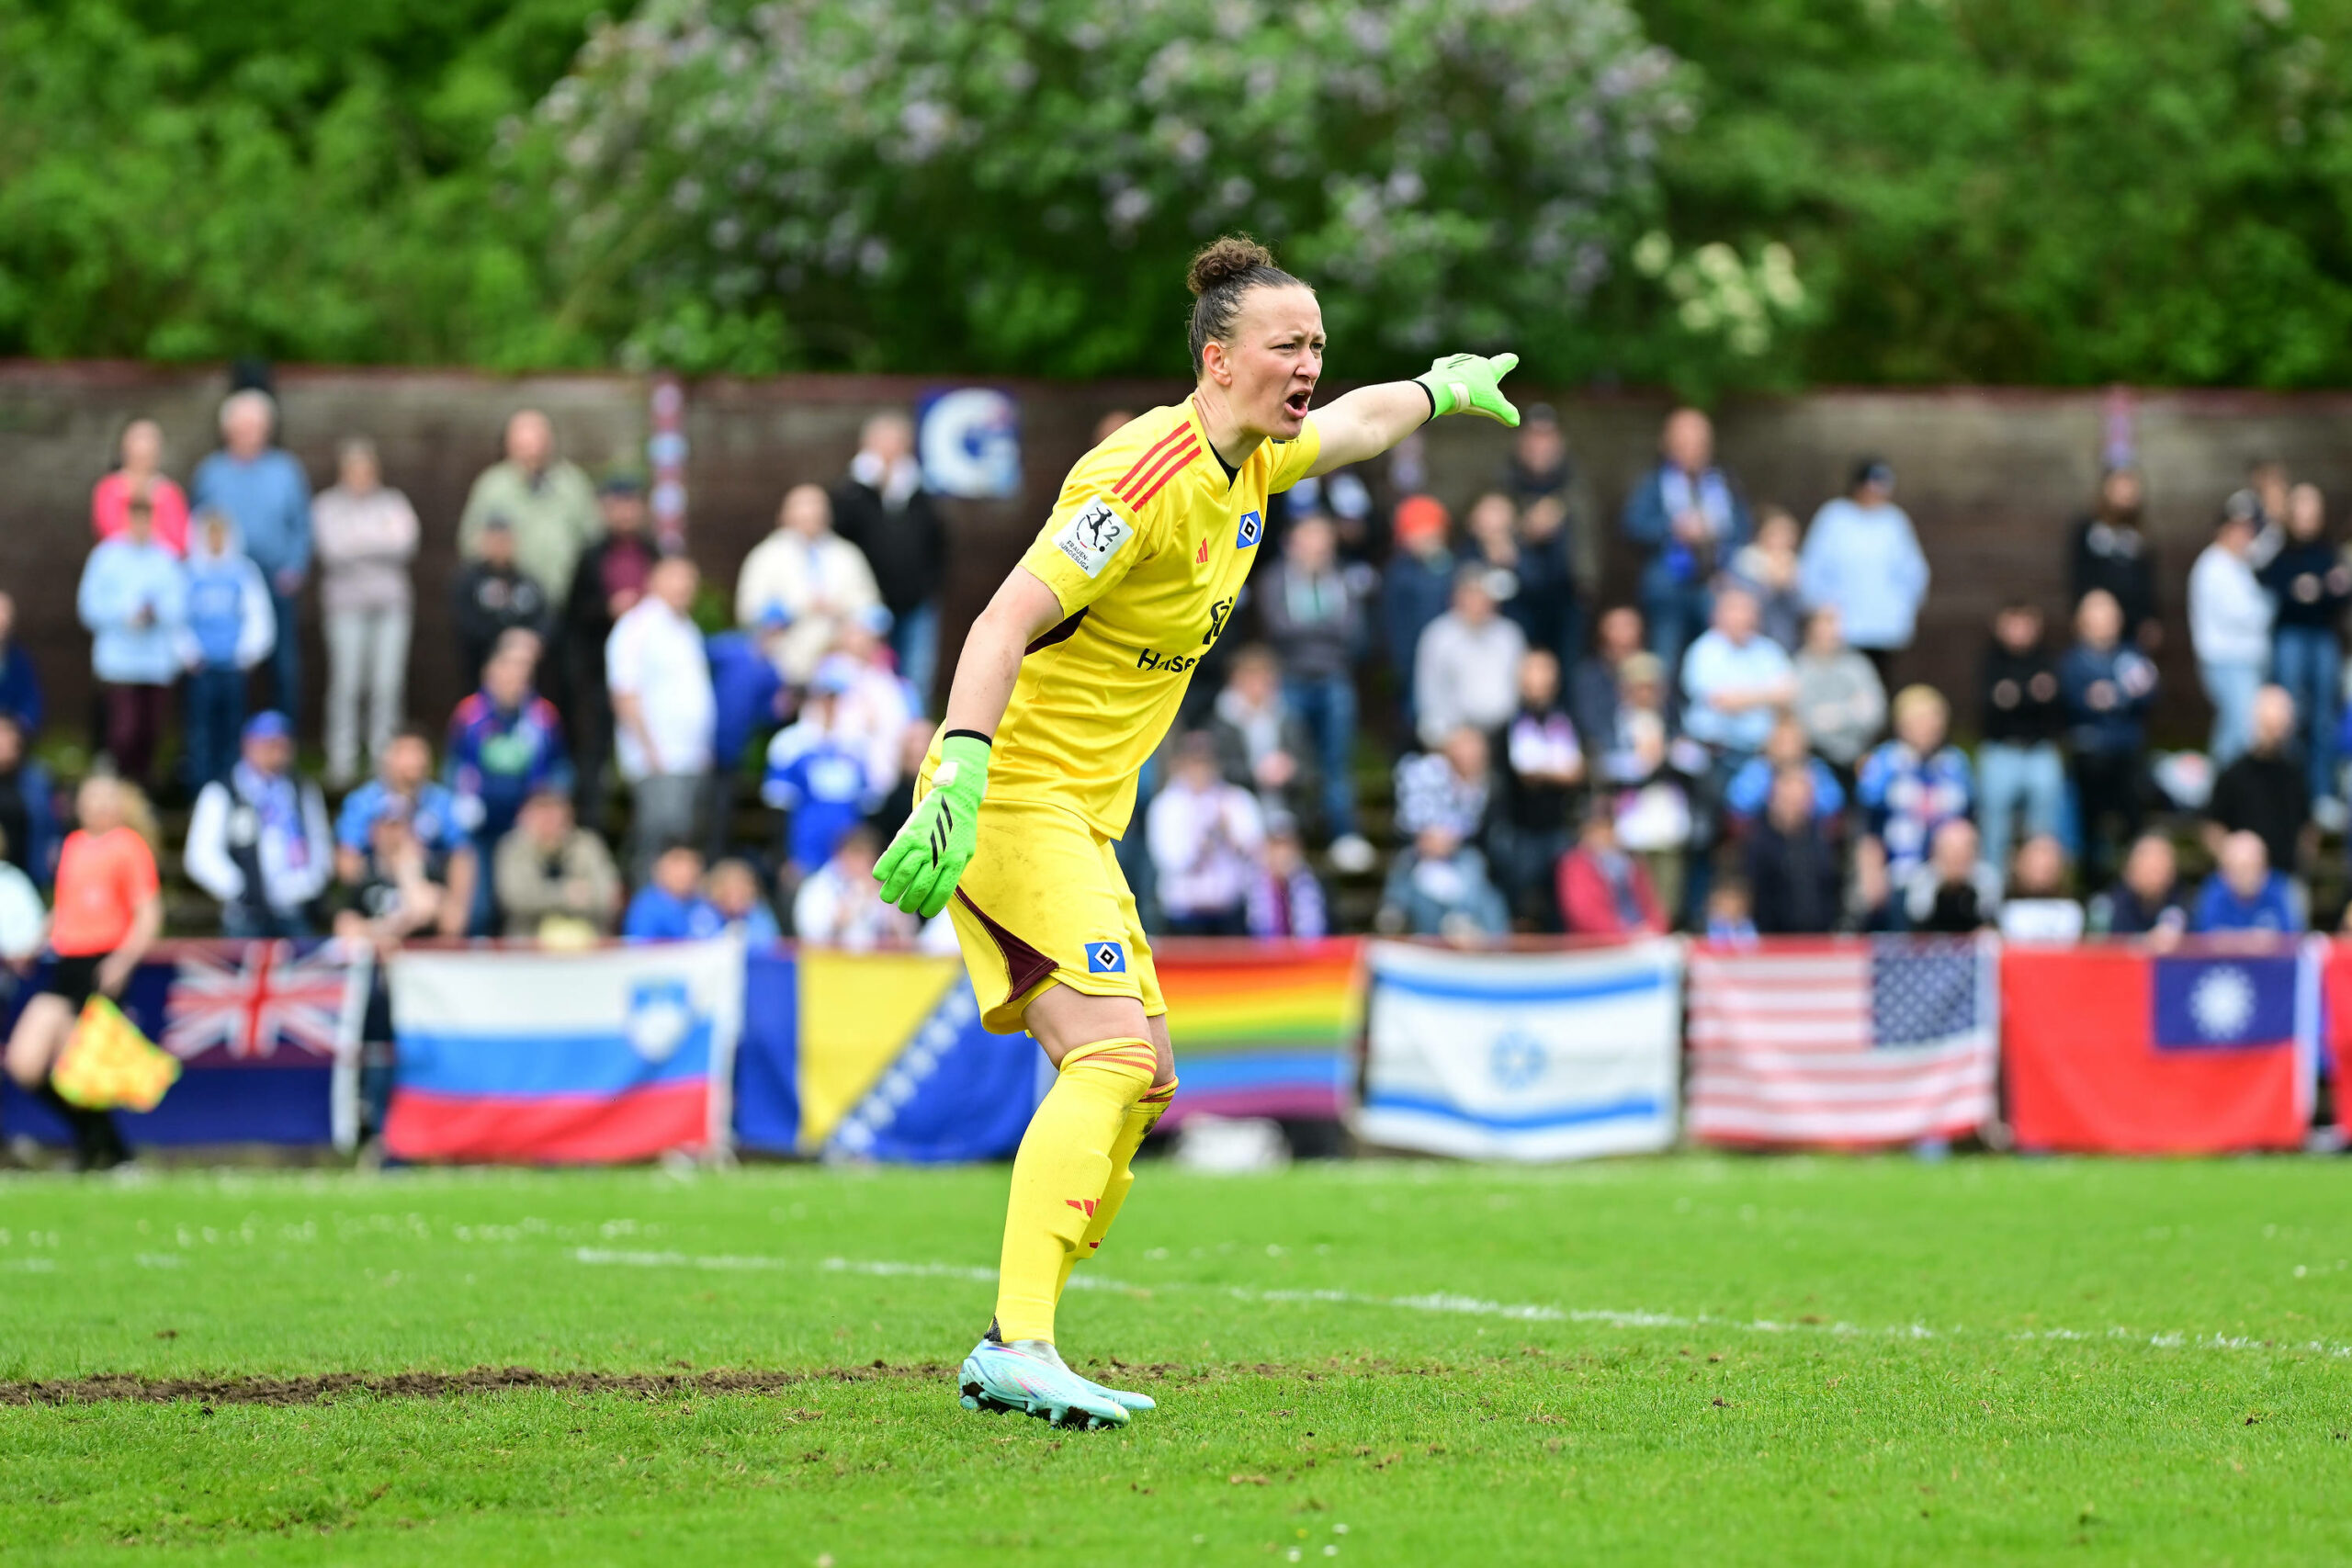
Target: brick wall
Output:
[(1992, 476)]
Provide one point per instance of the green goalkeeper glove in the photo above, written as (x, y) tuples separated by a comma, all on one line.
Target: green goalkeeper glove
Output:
[(1466, 383), (919, 870)]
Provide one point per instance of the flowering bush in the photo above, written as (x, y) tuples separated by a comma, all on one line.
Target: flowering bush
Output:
[(1012, 185)]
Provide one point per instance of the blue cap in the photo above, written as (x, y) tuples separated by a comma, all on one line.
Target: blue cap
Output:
[(271, 725), (836, 674)]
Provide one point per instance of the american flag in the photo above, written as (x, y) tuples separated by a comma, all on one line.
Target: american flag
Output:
[(255, 1001), (1877, 1042)]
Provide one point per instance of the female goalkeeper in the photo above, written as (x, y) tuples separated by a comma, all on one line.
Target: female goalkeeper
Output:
[(1067, 681)]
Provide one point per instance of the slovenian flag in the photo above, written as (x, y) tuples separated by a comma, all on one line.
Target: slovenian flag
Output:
[(616, 1055), (2117, 1049)]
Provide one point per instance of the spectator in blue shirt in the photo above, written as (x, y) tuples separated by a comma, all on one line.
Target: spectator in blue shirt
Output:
[(733, 889), (1735, 679), (670, 906), (1909, 789), (20, 690), (1863, 556), (747, 694), (265, 493), (404, 787), (230, 629), (1751, 789), (132, 598), (2244, 894), (1417, 587), (2311, 583), (1689, 522), (28, 808), (505, 743), (818, 779), (2107, 688)]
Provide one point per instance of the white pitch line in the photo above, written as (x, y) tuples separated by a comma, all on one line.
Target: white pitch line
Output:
[(1467, 1306)]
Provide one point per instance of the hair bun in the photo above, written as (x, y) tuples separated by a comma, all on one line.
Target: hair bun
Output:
[(1225, 259)]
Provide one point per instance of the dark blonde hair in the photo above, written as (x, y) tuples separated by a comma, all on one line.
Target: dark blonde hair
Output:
[(1225, 269)]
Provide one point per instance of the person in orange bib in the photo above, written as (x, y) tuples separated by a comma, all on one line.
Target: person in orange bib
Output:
[(109, 912)]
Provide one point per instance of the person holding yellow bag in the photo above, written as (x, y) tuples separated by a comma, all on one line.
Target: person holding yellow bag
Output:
[(110, 911)]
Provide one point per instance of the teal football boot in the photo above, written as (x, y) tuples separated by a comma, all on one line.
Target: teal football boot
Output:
[(1028, 1376), (1126, 1399)]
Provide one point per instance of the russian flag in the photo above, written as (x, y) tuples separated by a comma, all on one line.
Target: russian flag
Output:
[(2203, 1052), (560, 1057)]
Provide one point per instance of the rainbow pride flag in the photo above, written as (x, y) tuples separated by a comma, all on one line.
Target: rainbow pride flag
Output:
[(1270, 1030)]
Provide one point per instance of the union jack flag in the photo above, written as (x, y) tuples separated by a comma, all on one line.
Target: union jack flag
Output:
[(254, 1001)]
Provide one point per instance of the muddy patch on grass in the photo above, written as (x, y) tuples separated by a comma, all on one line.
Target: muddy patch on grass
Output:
[(439, 1385), (477, 1380)]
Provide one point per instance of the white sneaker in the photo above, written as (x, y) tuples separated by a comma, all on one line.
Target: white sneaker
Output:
[(1352, 853)]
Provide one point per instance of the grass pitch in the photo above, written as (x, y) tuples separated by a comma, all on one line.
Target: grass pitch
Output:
[(1685, 1360)]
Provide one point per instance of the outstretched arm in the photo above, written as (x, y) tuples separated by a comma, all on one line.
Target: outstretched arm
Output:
[(1370, 420)]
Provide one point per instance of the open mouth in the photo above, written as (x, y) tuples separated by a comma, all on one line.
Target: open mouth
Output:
[(1296, 402)]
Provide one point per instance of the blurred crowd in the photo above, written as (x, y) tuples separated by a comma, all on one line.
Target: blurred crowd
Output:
[(1418, 726), (1727, 753)]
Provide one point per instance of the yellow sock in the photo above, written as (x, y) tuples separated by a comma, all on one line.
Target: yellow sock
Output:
[(1142, 1117), (1059, 1175)]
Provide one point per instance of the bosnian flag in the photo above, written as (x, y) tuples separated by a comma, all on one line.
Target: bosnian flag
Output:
[(624, 1054)]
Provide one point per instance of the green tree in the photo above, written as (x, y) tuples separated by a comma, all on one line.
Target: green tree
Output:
[(1010, 185), (309, 179), (2032, 191)]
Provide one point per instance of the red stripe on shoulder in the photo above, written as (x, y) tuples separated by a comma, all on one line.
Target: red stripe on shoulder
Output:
[(1168, 472), (1145, 461), (1174, 453), (1148, 486)]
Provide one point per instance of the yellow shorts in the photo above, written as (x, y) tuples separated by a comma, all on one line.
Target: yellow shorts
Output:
[(1044, 903)]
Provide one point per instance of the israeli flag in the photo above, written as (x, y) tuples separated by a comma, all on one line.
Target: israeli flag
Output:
[(1529, 1056)]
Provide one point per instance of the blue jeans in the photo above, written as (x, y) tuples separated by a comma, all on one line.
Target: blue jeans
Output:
[(2009, 776), (2231, 689), (240, 924), (2309, 662), (286, 659), (1676, 616), (216, 711), (1327, 705), (914, 637)]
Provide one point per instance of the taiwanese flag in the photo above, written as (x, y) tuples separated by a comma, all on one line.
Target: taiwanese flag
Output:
[(2113, 1049), (2339, 1027)]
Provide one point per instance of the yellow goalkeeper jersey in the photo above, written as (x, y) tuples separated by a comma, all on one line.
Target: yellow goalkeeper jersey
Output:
[(1147, 549)]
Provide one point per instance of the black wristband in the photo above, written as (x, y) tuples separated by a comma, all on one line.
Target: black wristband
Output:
[(968, 735), (1429, 392)]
